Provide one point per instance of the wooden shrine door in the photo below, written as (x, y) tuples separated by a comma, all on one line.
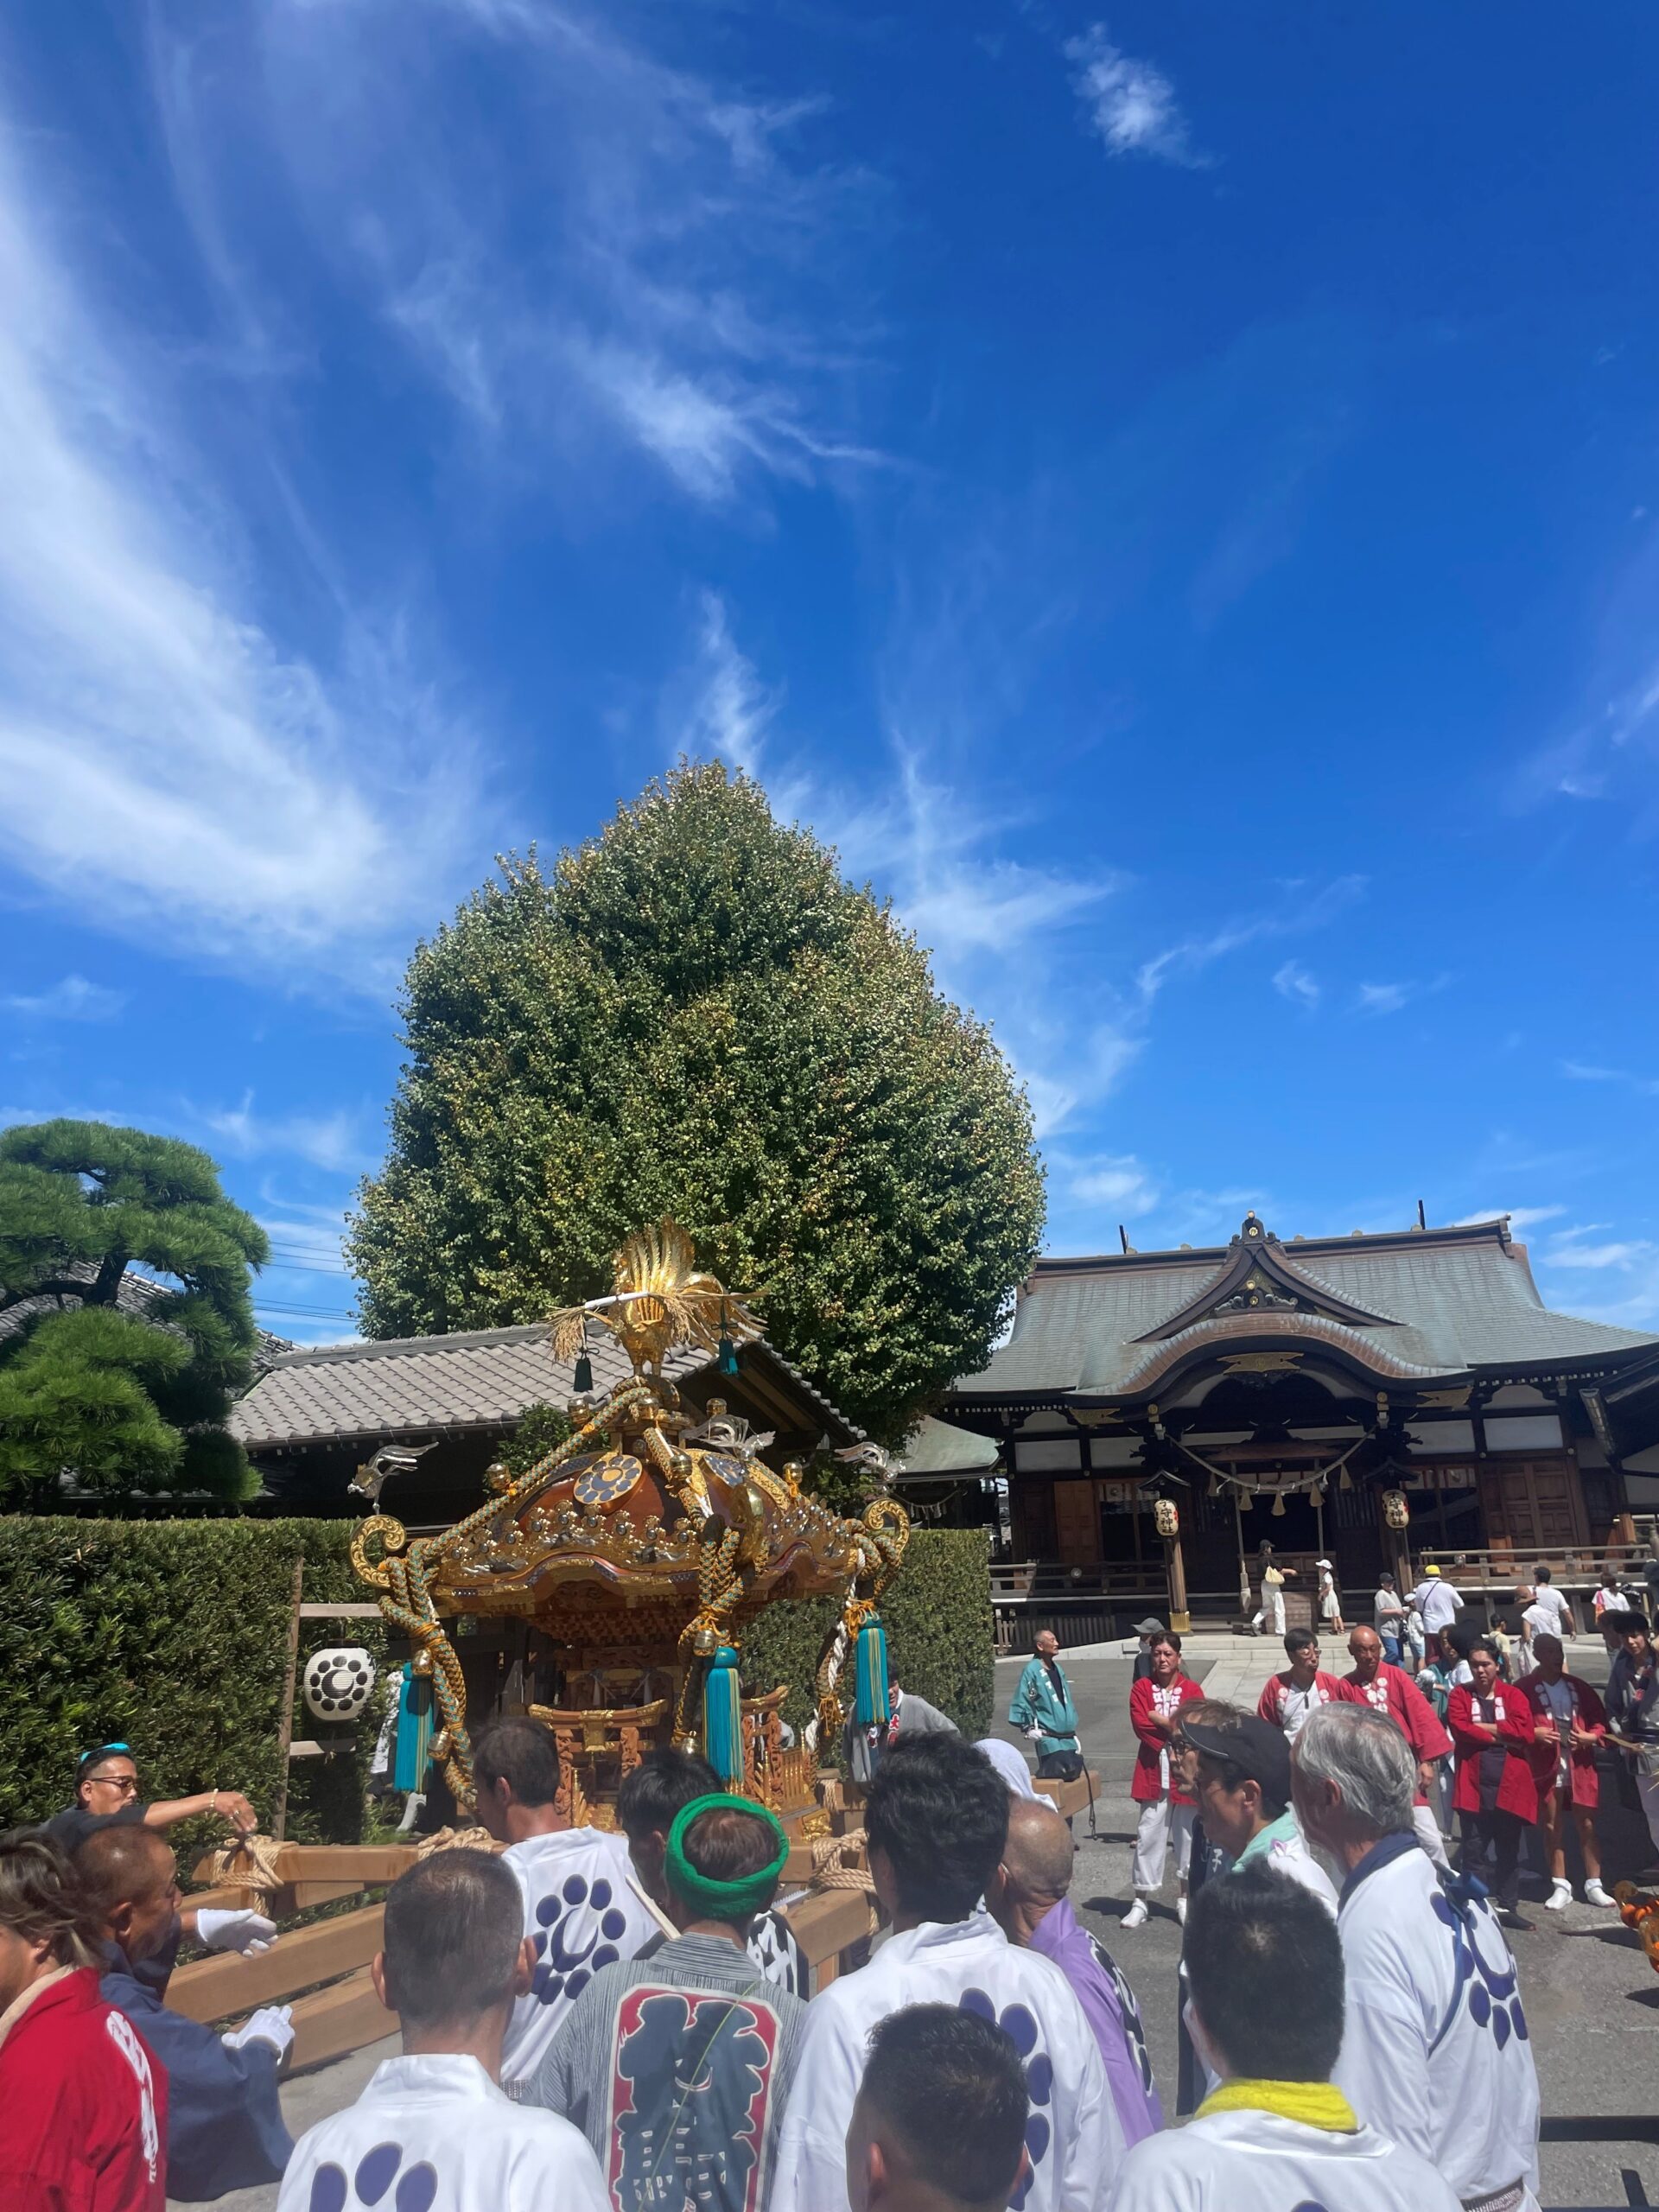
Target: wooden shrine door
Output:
[(1076, 1523), (1532, 1507)]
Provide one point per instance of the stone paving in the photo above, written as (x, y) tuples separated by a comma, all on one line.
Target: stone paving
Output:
[(1590, 1997)]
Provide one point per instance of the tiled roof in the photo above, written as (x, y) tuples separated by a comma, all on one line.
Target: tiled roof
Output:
[(1458, 1299), (136, 1294), (413, 1386)]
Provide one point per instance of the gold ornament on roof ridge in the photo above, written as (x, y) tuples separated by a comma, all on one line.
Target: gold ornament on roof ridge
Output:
[(659, 1300)]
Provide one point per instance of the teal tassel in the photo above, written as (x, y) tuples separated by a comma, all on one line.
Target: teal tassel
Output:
[(722, 1718), (584, 1374), (870, 1709), (728, 1354), (414, 1731)]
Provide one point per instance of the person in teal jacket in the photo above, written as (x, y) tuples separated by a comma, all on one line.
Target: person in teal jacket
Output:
[(1042, 1706)]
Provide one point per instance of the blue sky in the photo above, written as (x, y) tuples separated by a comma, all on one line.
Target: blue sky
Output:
[(1174, 495)]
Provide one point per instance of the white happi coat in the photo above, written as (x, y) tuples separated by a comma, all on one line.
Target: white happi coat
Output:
[(1258, 2162), (436, 2135), (582, 1910), (1435, 2047), (1073, 2136)]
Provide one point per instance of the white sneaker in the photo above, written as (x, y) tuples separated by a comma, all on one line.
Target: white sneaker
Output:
[(1595, 1894), (1560, 1895), (1181, 1910), (1136, 1915)]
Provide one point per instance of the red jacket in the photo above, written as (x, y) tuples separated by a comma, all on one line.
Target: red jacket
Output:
[(1583, 1781), (83, 2105), (1271, 1704), (1410, 1710), (1146, 1786), (1517, 1790)]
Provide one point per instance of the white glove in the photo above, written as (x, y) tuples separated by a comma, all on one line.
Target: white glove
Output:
[(234, 1931), (1035, 1734), (271, 2023)]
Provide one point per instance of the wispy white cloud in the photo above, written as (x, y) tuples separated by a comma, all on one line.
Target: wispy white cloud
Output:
[(723, 710), (1390, 998), (1616, 1254), (331, 1140), (1120, 1182), (72, 1000), (1521, 1218), (1580, 1071), (688, 297), (1301, 907), (168, 763), (1131, 104), (1292, 982)]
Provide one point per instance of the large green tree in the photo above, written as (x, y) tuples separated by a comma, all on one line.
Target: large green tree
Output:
[(128, 1389), (694, 1016)]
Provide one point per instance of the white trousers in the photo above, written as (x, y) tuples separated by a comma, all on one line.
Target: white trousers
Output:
[(1428, 1835), (1160, 1822), (1272, 1601)]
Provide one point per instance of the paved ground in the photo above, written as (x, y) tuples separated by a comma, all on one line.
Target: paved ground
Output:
[(1592, 1999)]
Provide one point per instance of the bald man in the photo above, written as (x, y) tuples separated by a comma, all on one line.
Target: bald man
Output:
[(1028, 1898), (225, 2127)]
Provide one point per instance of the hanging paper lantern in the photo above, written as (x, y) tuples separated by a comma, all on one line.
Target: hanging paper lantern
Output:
[(337, 1682), (722, 1718), (1166, 1517), (1396, 1512)]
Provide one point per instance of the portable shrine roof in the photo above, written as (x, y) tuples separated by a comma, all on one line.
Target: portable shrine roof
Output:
[(1412, 1306), (475, 1379)]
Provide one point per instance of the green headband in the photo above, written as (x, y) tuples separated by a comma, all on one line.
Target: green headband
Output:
[(739, 1900)]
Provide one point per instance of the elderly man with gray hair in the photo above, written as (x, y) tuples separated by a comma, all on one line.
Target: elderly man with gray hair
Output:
[(1435, 2050)]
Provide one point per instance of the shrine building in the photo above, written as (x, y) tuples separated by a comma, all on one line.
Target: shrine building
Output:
[(1285, 1390)]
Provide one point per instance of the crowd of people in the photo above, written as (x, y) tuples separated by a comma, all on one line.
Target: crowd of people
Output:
[(621, 2018)]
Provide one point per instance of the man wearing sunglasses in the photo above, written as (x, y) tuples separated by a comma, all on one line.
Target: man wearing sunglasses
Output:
[(106, 1795)]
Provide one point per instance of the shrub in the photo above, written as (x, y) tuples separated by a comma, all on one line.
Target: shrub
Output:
[(172, 1637), (937, 1616)]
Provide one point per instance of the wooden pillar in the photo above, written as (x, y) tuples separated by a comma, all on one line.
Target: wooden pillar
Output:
[(285, 1715), (1179, 1620)]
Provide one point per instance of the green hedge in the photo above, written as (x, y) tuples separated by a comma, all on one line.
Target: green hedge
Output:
[(172, 1637), (937, 1616)]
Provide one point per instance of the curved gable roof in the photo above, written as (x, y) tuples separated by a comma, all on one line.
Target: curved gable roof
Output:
[(1434, 1302)]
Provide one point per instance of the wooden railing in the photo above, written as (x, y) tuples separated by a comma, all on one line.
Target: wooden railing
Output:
[(1504, 1569), (322, 1970), (1047, 1582)]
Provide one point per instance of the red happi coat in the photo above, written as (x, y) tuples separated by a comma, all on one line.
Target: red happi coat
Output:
[(83, 2105), (1583, 1781), (1410, 1710), (1517, 1792), (1145, 1786), (1271, 1704)]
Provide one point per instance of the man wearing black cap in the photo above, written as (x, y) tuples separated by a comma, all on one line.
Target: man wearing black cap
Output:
[(1242, 1789)]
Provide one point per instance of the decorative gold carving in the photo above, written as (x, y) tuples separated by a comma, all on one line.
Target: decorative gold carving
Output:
[(643, 1542), (1259, 1363)]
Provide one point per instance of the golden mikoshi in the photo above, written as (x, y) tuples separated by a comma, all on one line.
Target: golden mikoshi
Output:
[(641, 1549)]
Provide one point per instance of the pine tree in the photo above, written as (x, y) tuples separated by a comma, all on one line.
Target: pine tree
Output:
[(126, 1393), (694, 1016)]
